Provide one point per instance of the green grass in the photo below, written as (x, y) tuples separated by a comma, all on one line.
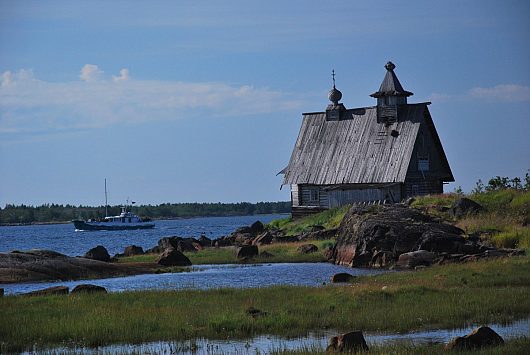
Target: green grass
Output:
[(282, 253), (456, 295), (504, 222), (329, 219)]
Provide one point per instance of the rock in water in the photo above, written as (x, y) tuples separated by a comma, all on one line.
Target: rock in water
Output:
[(173, 257), (87, 288), (478, 338), (307, 249), (348, 342), (98, 253), (247, 251), (133, 250)]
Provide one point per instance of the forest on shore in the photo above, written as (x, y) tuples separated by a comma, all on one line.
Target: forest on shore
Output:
[(50, 213)]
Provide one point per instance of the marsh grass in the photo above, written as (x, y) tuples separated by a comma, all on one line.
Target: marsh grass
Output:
[(282, 253), (504, 222), (447, 296)]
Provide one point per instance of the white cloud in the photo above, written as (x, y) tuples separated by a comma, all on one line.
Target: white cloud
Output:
[(497, 93), (124, 75), (90, 72), (504, 92), (28, 104)]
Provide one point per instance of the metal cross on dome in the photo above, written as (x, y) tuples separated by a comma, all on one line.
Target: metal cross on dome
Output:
[(333, 75)]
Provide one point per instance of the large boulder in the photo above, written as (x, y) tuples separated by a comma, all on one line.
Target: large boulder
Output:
[(246, 251), (98, 253), (88, 288), (55, 290), (464, 206), (348, 342), (132, 250), (173, 257), (307, 249), (253, 230), (376, 235), (180, 244), (478, 338), (415, 258)]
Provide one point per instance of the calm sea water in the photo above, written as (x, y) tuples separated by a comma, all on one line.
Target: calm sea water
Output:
[(211, 276), (64, 239)]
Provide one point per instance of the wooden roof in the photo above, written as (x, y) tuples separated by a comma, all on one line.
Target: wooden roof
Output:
[(355, 150)]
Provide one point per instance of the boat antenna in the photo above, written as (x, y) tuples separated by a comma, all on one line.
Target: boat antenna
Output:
[(106, 204)]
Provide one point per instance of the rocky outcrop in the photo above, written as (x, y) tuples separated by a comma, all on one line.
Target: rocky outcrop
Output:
[(180, 244), (307, 249), (98, 253), (464, 206), (173, 257), (348, 342), (478, 338), (56, 290), (376, 236), (133, 250), (40, 265), (263, 239), (88, 288)]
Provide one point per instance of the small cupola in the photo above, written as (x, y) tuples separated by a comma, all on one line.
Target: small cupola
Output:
[(390, 95), (391, 92), (335, 110)]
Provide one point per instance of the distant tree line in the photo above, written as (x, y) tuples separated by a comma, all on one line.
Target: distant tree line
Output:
[(24, 214)]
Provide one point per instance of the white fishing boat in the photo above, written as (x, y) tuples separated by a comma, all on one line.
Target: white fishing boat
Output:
[(126, 220)]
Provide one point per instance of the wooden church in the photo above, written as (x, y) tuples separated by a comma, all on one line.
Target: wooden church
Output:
[(378, 154)]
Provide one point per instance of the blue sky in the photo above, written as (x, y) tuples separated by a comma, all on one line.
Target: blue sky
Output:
[(183, 101)]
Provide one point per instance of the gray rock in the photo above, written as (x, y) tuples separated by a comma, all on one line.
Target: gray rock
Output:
[(374, 235), (478, 338), (342, 277), (173, 257), (263, 239), (88, 288), (46, 265), (56, 290), (247, 251), (348, 342), (98, 253), (464, 206), (415, 258), (133, 250)]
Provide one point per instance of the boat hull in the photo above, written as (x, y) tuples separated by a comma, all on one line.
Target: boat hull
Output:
[(98, 226)]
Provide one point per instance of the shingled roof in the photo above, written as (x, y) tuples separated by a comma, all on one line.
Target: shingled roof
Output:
[(356, 149)]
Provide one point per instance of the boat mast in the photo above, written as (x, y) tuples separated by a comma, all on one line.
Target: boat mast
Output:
[(106, 204)]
